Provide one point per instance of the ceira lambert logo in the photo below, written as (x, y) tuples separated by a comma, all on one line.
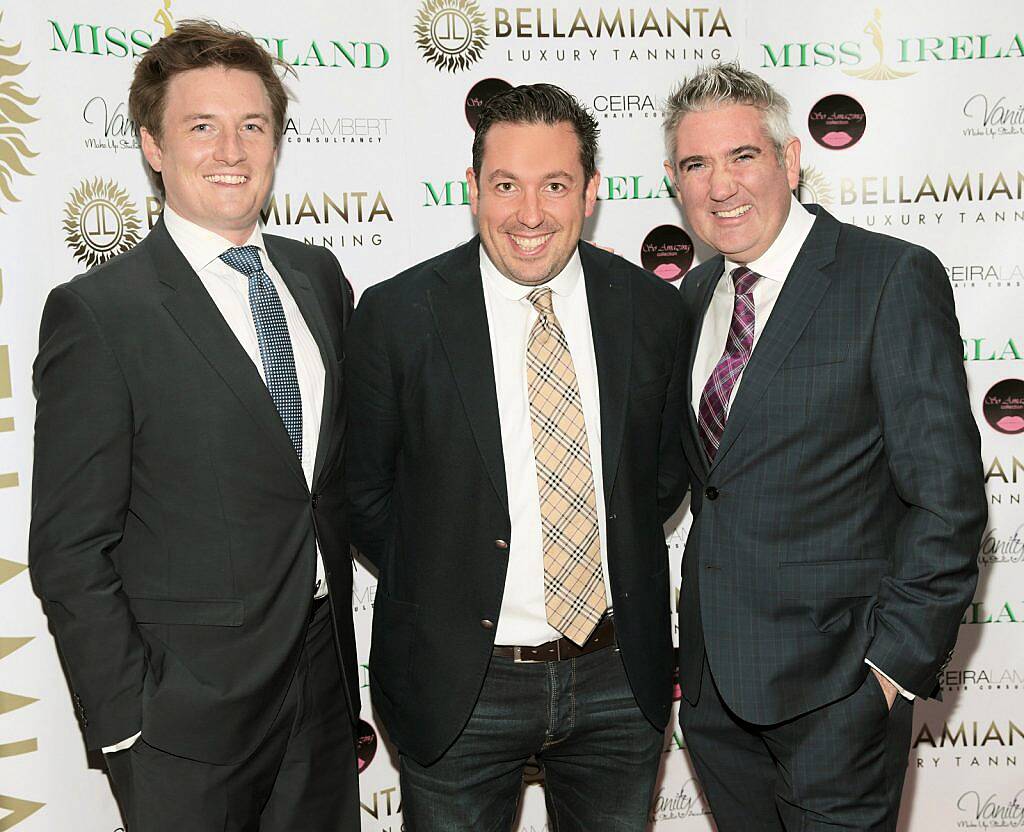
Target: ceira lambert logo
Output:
[(993, 116), (837, 122), (329, 130), (814, 187), (366, 745), (479, 94), (1003, 406), (667, 251), (626, 106), (13, 148), (451, 34), (982, 679), (100, 221)]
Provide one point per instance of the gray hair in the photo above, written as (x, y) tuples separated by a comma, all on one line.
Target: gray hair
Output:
[(719, 86)]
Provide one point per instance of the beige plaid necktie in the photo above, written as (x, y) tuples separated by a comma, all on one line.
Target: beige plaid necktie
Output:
[(574, 596)]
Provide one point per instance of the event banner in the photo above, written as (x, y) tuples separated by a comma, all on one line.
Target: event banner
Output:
[(911, 122)]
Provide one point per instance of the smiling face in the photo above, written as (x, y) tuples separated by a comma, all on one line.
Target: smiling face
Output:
[(531, 199), (734, 192), (216, 154)]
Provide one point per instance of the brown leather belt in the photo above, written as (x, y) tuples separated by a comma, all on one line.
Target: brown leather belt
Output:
[(553, 651)]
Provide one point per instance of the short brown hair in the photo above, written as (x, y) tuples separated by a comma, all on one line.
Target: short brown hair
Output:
[(196, 44), (538, 104)]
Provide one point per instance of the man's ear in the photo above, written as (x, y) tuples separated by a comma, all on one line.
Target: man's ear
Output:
[(474, 190), (151, 149)]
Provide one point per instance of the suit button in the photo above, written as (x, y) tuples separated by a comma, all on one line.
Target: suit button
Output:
[(612, 516), (487, 624), (711, 492), (500, 544), (314, 499)]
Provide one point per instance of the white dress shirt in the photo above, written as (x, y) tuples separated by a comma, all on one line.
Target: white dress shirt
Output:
[(773, 266), (229, 290), (510, 317)]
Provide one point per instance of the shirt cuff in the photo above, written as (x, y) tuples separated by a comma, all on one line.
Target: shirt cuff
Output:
[(906, 694), (123, 745)]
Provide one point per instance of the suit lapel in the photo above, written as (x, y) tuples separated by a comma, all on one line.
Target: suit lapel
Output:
[(457, 305), (198, 316), (610, 301), (803, 290), (704, 291), (305, 298)]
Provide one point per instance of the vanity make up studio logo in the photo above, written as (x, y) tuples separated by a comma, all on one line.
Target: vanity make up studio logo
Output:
[(100, 221), (837, 122), (451, 34), (985, 808), (110, 128), (14, 114), (667, 251), (1003, 406), (991, 116)]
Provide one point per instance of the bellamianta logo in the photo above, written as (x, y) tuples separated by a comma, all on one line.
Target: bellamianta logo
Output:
[(451, 34), (14, 149)]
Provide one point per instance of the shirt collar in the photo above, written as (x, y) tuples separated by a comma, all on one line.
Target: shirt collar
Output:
[(201, 246), (776, 262), (562, 284)]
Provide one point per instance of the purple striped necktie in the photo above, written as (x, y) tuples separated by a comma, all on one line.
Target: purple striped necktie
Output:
[(714, 401)]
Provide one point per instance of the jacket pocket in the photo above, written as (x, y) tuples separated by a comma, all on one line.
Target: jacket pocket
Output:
[(854, 578), (222, 612)]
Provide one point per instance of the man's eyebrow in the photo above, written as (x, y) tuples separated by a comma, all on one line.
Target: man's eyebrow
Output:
[(498, 173), (745, 148), (208, 116)]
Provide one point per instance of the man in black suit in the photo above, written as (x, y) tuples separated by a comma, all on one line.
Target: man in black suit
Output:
[(513, 452), (837, 488), (188, 502)]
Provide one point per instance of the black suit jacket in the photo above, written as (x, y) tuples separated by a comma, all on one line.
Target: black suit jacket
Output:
[(842, 515), (428, 490), (173, 534)]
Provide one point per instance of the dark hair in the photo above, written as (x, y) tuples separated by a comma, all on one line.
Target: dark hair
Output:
[(539, 104), (196, 44)]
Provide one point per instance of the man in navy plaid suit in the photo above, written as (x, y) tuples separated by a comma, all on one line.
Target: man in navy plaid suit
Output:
[(837, 489)]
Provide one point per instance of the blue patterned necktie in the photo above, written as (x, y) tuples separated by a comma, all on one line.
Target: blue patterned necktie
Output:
[(272, 334)]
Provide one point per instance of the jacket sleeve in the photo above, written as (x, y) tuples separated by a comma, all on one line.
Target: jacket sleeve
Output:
[(81, 484), (673, 471), (372, 443), (933, 448)]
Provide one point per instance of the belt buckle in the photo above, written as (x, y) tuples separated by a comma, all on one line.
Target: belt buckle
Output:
[(517, 656)]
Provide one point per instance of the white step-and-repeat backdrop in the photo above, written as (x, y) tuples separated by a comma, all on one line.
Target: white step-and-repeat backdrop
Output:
[(911, 116)]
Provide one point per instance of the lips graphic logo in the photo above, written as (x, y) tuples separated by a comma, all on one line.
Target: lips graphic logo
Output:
[(366, 745), (837, 122), (1003, 406), (667, 251)]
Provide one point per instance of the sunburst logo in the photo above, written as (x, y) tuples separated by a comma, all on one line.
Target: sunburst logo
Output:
[(880, 70), (13, 147), (814, 187), (100, 221), (451, 34)]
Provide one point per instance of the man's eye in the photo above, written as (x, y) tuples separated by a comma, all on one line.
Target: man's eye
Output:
[(201, 128), (504, 187), (253, 128), (693, 166), (556, 187)]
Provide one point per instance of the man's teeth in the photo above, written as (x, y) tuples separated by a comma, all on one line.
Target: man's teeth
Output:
[(735, 212), (226, 179), (530, 243)]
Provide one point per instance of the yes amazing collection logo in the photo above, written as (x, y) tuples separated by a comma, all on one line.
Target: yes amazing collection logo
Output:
[(667, 251), (480, 93), (451, 34), (1003, 406), (837, 122), (366, 745), (100, 221), (13, 114)]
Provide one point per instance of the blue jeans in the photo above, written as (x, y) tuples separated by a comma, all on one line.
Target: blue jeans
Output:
[(599, 753)]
